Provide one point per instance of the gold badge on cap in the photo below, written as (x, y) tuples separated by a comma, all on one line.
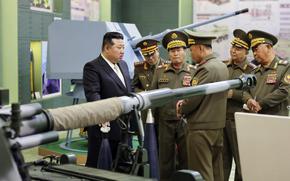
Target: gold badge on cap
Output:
[(287, 79), (250, 36), (145, 43), (174, 36), (194, 82)]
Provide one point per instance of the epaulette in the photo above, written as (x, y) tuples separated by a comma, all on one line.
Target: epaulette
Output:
[(162, 66), (257, 68), (283, 62), (137, 64)]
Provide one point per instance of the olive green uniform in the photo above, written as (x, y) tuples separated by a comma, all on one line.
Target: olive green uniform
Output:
[(143, 74), (171, 129), (272, 89), (206, 115), (234, 104)]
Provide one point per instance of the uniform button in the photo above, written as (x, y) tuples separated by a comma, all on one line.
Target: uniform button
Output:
[(147, 85)]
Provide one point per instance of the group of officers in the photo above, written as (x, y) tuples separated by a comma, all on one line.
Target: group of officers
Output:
[(199, 133)]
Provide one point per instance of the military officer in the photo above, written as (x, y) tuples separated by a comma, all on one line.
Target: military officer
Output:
[(271, 94), (237, 65), (172, 129), (144, 71), (206, 114)]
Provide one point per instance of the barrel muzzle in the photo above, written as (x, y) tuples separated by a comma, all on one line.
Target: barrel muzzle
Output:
[(248, 81)]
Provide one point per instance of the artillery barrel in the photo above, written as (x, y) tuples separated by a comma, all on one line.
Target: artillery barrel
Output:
[(194, 25), (93, 113)]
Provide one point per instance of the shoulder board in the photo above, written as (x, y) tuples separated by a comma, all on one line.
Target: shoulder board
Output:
[(162, 66), (137, 64), (257, 68), (283, 62)]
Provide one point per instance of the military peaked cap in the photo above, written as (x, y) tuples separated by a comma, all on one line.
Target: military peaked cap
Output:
[(258, 37), (174, 39), (147, 46), (195, 38), (241, 39)]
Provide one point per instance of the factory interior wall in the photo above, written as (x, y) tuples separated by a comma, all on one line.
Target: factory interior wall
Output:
[(8, 48)]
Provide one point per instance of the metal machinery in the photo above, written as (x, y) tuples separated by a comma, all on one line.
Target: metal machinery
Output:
[(26, 126)]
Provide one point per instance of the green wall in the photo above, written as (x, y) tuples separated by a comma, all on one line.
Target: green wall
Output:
[(105, 10), (8, 48), (150, 16), (185, 12)]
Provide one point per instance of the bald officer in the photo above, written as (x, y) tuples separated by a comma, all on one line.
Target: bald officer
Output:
[(237, 65), (206, 114), (172, 129), (271, 94)]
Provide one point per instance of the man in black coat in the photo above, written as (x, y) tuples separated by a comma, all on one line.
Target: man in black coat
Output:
[(105, 77)]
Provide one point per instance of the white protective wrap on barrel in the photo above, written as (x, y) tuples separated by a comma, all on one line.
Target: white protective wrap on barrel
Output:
[(87, 114)]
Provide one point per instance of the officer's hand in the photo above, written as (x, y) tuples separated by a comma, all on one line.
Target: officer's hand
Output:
[(230, 93), (257, 107), (253, 105), (178, 108)]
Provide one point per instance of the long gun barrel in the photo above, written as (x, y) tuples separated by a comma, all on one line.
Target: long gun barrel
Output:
[(88, 114), (194, 25)]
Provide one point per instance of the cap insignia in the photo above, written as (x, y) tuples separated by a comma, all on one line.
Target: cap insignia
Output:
[(174, 36), (250, 36)]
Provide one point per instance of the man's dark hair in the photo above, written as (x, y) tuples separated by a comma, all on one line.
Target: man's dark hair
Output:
[(107, 39)]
